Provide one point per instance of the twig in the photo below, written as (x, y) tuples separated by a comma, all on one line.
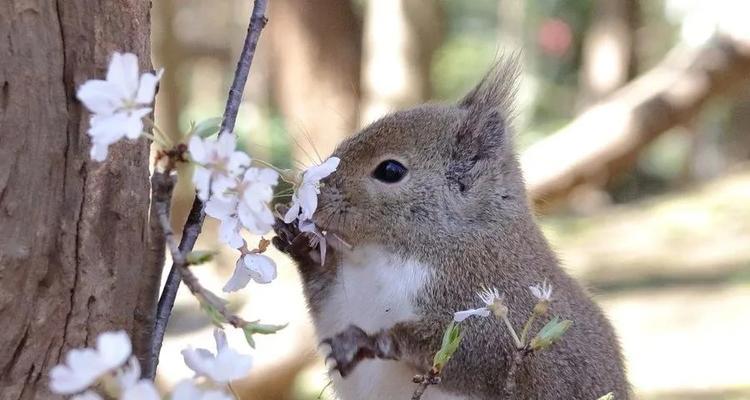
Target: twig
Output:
[(509, 388), (180, 261), (431, 378), (194, 222)]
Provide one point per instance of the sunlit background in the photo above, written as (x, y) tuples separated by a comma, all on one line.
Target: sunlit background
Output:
[(654, 217)]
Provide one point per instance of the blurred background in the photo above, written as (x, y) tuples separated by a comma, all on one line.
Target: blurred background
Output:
[(633, 126)]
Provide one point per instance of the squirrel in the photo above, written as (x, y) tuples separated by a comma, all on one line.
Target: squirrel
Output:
[(432, 206)]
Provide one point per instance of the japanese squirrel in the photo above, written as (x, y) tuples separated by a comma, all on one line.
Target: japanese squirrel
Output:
[(432, 205)]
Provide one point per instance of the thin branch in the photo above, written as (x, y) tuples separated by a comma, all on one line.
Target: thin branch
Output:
[(509, 387), (194, 223), (431, 378)]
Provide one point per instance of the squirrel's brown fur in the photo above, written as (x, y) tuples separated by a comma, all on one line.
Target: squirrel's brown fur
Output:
[(463, 212)]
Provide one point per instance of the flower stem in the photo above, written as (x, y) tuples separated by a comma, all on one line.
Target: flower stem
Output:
[(165, 141), (526, 328), (512, 332)]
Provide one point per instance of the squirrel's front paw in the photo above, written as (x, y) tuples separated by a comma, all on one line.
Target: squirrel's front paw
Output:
[(352, 345), (291, 241)]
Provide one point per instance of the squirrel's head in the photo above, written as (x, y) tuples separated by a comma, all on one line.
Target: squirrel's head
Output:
[(433, 171)]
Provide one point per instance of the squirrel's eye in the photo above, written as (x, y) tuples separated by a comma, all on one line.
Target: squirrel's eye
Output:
[(389, 171)]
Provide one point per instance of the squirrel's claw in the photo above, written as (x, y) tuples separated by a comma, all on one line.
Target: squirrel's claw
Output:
[(348, 348)]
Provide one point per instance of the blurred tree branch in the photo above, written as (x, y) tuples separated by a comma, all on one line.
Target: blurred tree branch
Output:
[(607, 138)]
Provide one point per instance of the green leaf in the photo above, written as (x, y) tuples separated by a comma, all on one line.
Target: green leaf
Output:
[(207, 128), (262, 329), (197, 257), (550, 333), (213, 314), (451, 339)]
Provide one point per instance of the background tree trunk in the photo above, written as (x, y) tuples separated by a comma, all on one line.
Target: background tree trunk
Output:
[(315, 59), (73, 239), (400, 37), (609, 49)]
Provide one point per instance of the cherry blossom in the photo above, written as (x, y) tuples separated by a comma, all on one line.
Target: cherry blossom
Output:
[(134, 388), (543, 291), (490, 297), (305, 198), (119, 103), (224, 366), (318, 238), (225, 209), (244, 205), (251, 266), (219, 163), (84, 366), (188, 390)]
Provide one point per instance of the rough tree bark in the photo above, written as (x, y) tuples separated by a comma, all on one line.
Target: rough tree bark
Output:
[(315, 57), (606, 139), (72, 242)]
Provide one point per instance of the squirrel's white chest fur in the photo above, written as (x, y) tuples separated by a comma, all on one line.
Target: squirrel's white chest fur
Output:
[(374, 289)]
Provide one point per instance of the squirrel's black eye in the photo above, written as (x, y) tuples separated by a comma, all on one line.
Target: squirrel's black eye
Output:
[(389, 171)]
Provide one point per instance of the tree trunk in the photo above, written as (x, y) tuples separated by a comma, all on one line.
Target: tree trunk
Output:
[(73, 239), (609, 49), (315, 58), (399, 41)]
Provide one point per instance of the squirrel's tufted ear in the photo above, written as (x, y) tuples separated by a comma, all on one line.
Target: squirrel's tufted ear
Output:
[(483, 135)]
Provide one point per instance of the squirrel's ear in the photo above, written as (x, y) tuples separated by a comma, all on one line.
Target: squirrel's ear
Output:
[(483, 136)]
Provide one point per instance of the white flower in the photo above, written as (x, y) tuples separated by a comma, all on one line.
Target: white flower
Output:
[(134, 388), (305, 198), (543, 291), (87, 395), (246, 205), (253, 266), (489, 297), (118, 103), (255, 191), (188, 390), (84, 366), (224, 208), (318, 237), (219, 164), (226, 365), (141, 390)]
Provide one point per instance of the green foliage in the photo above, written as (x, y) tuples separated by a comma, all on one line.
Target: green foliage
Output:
[(451, 339), (262, 329), (550, 333), (197, 257), (207, 127)]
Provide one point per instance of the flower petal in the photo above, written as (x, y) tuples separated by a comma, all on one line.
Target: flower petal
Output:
[(293, 212), (98, 151), (147, 87), (229, 233), (99, 97), (240, 278), (197, 150), (262, 268), (133, 126), (143, 390), (308, 199), (315, 173), (123, 73), (202, 182), (87, 395), (114, 348), (462, 315)]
